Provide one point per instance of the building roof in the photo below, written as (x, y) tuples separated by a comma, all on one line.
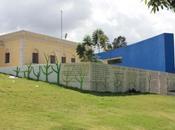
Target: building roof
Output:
[(24, 33)]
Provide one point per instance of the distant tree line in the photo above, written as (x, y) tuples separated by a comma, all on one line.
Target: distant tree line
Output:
[(97, 41)]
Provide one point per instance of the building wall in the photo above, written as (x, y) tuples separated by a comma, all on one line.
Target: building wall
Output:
[(1, 54), (169, 53), (48, 47), (11, 46), (22, 44), (156, 53)]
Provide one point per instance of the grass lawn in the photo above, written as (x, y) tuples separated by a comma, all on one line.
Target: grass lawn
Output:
[(31, 105)]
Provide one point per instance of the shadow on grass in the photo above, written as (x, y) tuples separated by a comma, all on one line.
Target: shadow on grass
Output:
[(102, 94)]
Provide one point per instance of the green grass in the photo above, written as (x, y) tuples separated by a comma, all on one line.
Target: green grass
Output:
[(31, 105)]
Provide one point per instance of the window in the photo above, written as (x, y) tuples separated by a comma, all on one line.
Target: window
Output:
[(52, 59), (35, 58), (115, 61), (63, 59), (72, 60), (7, 57)]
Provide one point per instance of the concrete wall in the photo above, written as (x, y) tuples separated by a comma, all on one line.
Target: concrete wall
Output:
[(155, 53), (106, 78)]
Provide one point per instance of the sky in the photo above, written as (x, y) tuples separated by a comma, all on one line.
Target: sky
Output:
[(129, 18)]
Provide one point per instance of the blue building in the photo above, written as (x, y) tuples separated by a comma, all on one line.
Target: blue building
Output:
[(156, 53)]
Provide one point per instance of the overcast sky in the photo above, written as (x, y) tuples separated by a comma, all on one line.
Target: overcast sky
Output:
[(130, 18)]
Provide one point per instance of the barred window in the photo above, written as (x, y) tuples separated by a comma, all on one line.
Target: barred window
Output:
[(52, 59), (7, 57), (35, 58), (63, 59), (72, 60)]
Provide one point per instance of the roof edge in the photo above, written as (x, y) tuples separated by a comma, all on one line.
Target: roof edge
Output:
[(22, 32)]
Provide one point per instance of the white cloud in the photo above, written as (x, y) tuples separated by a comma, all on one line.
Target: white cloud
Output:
[(130, 18)]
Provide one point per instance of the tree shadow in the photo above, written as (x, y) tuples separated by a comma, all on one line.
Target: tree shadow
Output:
[(107, 94)]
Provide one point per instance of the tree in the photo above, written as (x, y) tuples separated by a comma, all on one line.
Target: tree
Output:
[(104, 42), (96, 36), (85, 51), (156, 5), (80, 50), (109, 47), (87, 41), (99, 39), (118, 42), (90, 56)]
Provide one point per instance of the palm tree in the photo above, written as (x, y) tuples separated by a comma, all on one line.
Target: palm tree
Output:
[(87, 40), (104, 42), (85, 51), (95, 36), (80, 50), (90, 55), (99, 39)]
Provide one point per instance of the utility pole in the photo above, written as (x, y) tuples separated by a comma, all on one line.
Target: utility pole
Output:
[(61, 24)]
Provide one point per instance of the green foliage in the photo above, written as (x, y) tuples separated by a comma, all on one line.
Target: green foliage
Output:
[(85, 51), (90, 56), (96, 35), (118, 42), (99, 39), (110, 47), (37, 74), (156, 5), (57, 70), (81, 51), (17, 71), (46, 68), (104, 42), (87, 41)]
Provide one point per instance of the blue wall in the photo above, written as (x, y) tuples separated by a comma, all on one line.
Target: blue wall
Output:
[(155, 53)]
